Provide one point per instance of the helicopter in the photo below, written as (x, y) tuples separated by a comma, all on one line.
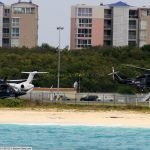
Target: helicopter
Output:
[(141, 82), (15, 88)]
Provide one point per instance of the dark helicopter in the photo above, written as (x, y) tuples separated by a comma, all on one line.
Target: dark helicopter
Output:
[(6, 90), (141, 82), (16, 88)]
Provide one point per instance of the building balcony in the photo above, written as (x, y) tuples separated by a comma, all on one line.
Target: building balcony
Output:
[(133, 16), (132, 27), (107, 26), (83, 35), (6, 45), (6, 35), (6, 25), (15, 25), (132, 43), (7, 15), (132, 37), (85, 25), (107, 16), (142, 38), (107, 37)]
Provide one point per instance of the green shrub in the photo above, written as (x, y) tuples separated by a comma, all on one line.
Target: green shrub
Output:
[(11, 102)]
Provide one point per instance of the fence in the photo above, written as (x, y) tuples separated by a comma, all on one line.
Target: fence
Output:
[(103, 98)]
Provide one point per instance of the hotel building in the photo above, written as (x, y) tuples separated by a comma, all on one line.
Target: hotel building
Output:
[(19, 24), (116, 24)]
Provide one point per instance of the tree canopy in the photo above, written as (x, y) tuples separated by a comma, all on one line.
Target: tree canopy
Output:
[(91, 66)]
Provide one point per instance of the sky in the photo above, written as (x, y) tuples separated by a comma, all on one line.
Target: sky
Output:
[(54, 13)]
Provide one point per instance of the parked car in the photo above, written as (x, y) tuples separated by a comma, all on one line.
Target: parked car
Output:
[(102, 99), (64, 98), (89, 98), (99, 99)]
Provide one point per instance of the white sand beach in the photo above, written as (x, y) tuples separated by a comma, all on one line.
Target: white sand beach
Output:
[(72, 117)]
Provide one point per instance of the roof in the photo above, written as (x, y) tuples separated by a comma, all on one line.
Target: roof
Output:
[(1, 3), (119, 4), (25, 3), (54, 89)]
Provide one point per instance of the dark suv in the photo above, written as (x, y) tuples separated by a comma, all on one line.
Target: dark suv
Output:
[(89, 98)]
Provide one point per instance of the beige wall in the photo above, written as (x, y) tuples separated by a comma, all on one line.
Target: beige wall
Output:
[(98, 25), (28, 25), (98, 12), (28, 30), (72, 36), (97, 32)]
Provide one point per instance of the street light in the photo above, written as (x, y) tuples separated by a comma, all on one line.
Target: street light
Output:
[(58, 73)]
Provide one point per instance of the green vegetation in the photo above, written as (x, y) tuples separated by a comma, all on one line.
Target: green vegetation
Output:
[(90, 65), (37, 105)]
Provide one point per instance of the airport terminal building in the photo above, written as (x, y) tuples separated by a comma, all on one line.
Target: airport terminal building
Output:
[(19, 24), (117, 24)]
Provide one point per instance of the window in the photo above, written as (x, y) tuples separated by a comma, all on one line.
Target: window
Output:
[(18, 10), (84, 32), (107, 43), (5, 20), (15, 32), (107, 34), (28, 10), (23, 10), (32, 10), (83, 43), (6, 12), (15, 22), (143, 35), (85, 12), (132, 24), (132, 43), (143, 13), (143, 25), (107, 24), (133, 14), (107, 13), (5, 32), (85, 22), (6, 23), (5, 41), (132, 35), (15, 42)]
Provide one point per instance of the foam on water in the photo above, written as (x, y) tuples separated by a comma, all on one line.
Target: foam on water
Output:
[(62, 137)]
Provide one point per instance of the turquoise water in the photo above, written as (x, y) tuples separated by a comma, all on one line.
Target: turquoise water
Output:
[(54, 137)]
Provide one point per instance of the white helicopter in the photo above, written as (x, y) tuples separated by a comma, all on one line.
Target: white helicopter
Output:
[(15, 88)]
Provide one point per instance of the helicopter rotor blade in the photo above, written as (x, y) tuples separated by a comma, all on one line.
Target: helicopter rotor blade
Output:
[(133, 66), (113, 73)]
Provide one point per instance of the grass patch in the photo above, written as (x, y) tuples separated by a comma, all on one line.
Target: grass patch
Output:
[(20, 103), (11, 103)]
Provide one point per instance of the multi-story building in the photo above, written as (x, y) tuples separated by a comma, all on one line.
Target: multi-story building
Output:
[(19, 24), (116, 24)]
